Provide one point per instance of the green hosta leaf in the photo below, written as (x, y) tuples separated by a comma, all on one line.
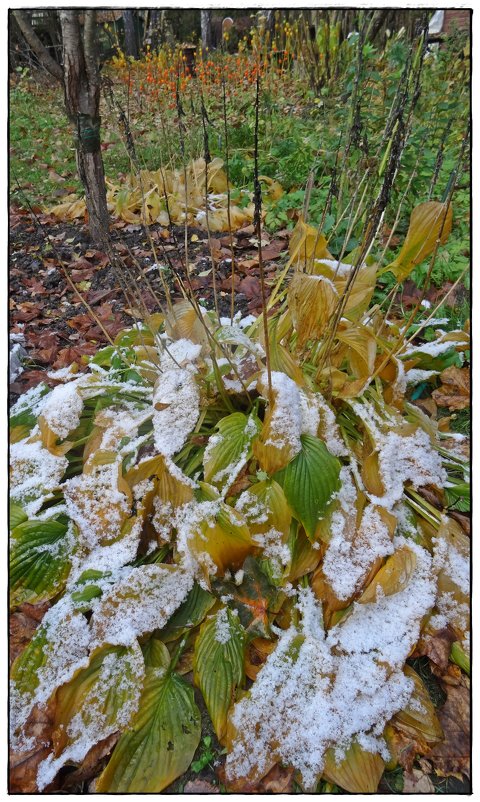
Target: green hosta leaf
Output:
[(162, 740), (104, 356), (218, 665), (460, 657), (458, 496), (230, 449), (309, 481), (24, 672), (16, 515), (39, 561), (23, 415), (189, 614), (156, 654), (99, 700), (424, 361)]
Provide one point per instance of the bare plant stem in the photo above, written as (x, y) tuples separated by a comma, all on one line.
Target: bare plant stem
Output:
[(257, 192)]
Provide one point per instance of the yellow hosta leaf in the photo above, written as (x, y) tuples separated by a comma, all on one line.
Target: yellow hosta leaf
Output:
[(361, 349), (429, 222), (279, 439), (49, 439), (183, 323), (97, 505), (312, 301), (371, 475), (419, 715), (257, 652), (360, 291), (358, 773), (275, 190), (304, 557), (216, 533), (278, 514), (69, 209), (18, 433), (168, 196), (307, 243), (393, 577)]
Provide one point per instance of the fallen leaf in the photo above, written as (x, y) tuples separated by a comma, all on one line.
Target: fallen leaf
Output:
[(21, 629), (24, 765), (454, 392), (92, 763), (250, 286), (279, 780), (200, 787), (463, 519), (437, 648), (452, 756), (416, 782)]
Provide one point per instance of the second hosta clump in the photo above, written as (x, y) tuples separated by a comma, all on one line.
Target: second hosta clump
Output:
[(193, 514)]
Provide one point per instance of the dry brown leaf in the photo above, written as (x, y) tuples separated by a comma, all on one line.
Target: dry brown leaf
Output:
[(24, 765), (463, 519), (279, 780), (454, 392), (437, 647), (427, 405), (92, 762), (452, 756), (416, 782), (23, 623), (200, 787), (403, 748)]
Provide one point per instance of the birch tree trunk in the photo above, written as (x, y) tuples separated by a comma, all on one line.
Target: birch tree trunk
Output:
[(81, 83), (206, 28)]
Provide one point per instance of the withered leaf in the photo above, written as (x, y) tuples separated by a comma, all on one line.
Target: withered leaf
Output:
[(416, 782), (24, 765), (452, 755), (454, 392), (437, 647), (92, 763)]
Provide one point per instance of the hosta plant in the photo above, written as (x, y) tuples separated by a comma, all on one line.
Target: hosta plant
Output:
[(254, 513)]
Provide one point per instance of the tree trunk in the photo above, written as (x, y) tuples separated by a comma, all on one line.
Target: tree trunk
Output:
[(152, 29), (82, 100), (37, 46), (206, 28), (131, 44)]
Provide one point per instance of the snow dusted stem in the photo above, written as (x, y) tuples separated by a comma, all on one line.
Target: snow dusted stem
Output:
[(258, 226)]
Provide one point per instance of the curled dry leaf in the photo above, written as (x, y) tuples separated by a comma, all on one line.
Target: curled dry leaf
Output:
[(279, 780), (454, 392), (437, 647)]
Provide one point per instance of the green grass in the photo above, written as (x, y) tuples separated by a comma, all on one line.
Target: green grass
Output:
[(40, 145)]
